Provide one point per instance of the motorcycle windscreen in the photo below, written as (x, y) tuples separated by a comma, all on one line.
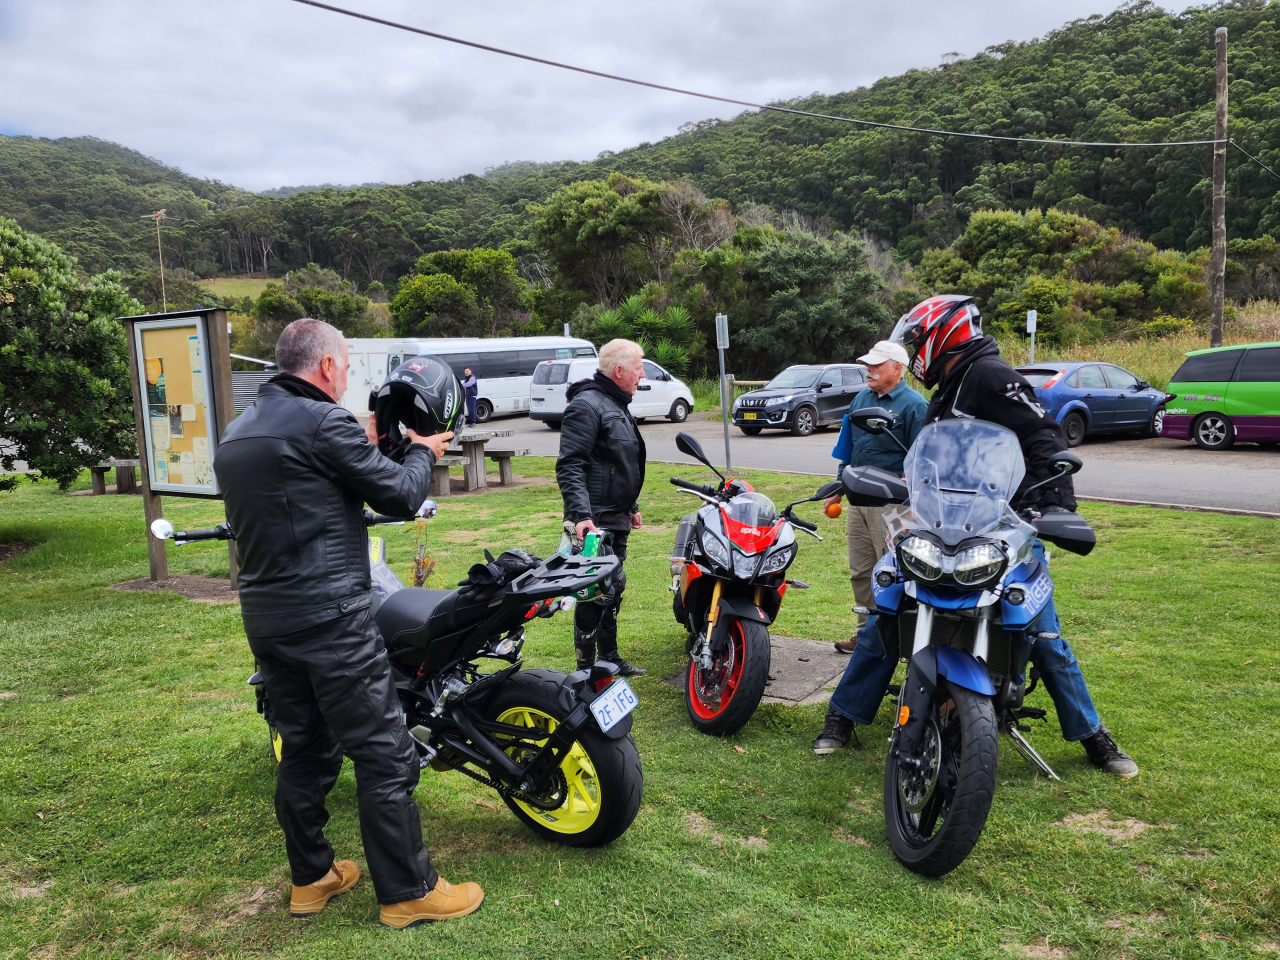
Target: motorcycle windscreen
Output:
[(961, 475)]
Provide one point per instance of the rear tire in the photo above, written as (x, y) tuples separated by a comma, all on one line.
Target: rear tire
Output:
[(484, 410), (679, 412), (750, 431), (966, 770), (604, 776), (804, 420), (1213, 431), (1156, 424), (1074, 427), (720, 703), (553, 424)]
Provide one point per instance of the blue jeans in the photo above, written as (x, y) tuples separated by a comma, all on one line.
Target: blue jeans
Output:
[(471, 411), (866, 679)]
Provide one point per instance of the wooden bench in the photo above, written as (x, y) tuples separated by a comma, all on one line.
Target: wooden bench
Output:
[(503, 457), (440, 475), (126, 476)]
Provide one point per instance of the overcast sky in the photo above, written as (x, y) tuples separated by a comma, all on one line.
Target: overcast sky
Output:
[(265, 93)]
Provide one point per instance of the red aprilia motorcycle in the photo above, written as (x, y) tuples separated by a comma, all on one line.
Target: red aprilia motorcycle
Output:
[(729, 575)]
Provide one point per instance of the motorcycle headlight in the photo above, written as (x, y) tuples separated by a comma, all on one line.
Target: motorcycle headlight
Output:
[(714, 548), (978, 564), (922, 558), (778, 560), (744, 566), (774, 401)]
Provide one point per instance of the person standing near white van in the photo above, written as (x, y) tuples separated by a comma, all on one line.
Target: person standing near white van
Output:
[(470, 392)]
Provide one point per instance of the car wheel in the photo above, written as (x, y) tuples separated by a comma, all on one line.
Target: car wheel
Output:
[(1213, 431), (1156, 424), (484, 410), (679, 412), (553, 424), (639, 419), (750, 431), (804, 421), (1073, 427)]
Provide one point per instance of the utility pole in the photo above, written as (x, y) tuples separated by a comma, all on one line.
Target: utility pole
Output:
[(157, 217), (1218, 265), (722, 344)]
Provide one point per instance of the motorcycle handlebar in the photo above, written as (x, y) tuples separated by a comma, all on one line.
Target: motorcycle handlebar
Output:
[(374, 519), (221, 532), (803, 524), (695, 487)]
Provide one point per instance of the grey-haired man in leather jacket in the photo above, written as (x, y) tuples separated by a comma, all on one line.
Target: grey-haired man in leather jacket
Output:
[(296, 470)]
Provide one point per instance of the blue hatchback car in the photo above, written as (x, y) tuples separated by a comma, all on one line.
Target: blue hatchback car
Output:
[(1093, 398)]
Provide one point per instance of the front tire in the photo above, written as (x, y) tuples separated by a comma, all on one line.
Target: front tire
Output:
[(721, 700), (601, 780), (679, 412), (1213, 431), (932, 828), (1156, 424), (484, 410), (804, 420), (1074, 427)]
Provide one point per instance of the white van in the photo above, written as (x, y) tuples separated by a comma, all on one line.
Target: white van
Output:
[(659, 394), (503, 366)]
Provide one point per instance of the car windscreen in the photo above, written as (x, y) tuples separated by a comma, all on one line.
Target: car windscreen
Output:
[(1038, 378), (793, 378)]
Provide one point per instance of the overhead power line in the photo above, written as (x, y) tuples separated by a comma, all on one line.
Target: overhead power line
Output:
[(769, 106), (740, 103)]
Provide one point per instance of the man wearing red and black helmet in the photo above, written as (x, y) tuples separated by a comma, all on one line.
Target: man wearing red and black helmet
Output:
[(943, 337)]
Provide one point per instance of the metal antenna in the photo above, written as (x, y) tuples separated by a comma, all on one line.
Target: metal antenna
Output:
[(157, 217)]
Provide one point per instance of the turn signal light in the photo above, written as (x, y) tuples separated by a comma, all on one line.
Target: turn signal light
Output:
[(834, 510), (904, 714)]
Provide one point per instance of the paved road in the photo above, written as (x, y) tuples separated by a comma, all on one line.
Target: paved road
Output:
[(1148, 471)]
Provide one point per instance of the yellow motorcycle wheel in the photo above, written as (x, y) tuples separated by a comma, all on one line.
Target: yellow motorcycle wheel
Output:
[(599, 782), (582, 803)]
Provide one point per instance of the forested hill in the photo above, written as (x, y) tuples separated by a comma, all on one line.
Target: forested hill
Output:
[(89, 196), (1139, 73)]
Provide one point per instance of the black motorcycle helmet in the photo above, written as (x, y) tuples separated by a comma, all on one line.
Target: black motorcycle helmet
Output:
[(421, 394)]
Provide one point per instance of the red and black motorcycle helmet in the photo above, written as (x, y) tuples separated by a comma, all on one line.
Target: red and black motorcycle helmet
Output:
[(936, 328), (422, 394)]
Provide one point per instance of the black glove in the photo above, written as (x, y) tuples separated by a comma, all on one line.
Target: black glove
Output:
[(485, 580)]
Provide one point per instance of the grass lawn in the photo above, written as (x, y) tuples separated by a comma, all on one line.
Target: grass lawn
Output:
[(236, 287), (136, 791)]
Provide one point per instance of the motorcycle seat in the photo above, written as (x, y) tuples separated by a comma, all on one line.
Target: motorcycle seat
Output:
[(414, 615)]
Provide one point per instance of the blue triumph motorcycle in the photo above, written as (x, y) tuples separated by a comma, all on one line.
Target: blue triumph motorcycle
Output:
[(959, 597)]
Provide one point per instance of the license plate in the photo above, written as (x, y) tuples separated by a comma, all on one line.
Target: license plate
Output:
[(617, 701), (748, 416)]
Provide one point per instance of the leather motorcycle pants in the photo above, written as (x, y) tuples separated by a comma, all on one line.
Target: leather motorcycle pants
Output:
[(331, 692), (595, 622)]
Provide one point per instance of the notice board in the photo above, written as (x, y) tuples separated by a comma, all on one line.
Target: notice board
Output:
[(180, 429)]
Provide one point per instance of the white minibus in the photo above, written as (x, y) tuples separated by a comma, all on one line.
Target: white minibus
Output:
[(503, 365)]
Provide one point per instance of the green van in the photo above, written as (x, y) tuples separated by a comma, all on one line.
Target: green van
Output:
[(1226, 394)]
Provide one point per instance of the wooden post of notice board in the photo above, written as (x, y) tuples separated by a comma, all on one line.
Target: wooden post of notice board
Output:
[(151, 506), (180, 376)]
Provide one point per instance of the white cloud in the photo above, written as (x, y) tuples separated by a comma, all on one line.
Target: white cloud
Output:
[(263, 93)]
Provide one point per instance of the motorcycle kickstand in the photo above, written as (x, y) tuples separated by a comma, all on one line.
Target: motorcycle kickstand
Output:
[(1029, 752)]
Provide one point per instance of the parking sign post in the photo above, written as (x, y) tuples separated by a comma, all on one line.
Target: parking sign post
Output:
[(722, 344), (1031, 329)]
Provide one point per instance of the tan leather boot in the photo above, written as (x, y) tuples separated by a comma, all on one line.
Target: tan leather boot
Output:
[(445, 902), (309, 900)]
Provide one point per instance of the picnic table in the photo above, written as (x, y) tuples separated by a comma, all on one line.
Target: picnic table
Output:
[(126, 478), (473, 443)]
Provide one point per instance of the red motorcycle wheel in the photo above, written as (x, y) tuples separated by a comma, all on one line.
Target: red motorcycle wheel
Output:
[(722, 700)]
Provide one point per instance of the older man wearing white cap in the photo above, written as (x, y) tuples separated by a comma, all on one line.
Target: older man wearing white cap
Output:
[(885, 388)]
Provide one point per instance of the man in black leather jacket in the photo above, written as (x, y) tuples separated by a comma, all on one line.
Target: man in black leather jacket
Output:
[(296, 469), (601, 471)]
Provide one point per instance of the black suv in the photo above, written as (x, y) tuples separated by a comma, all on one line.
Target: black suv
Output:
[(801, 398)]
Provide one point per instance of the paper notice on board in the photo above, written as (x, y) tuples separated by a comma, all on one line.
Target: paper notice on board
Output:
[(193, 351), (200, 457), (162, 469), (189, 412), (175, 467), (160, 429), (197, 386), (175, 421)]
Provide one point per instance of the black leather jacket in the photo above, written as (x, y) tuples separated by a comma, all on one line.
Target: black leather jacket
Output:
[(295, 470), (601, 465), (982, 386)]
